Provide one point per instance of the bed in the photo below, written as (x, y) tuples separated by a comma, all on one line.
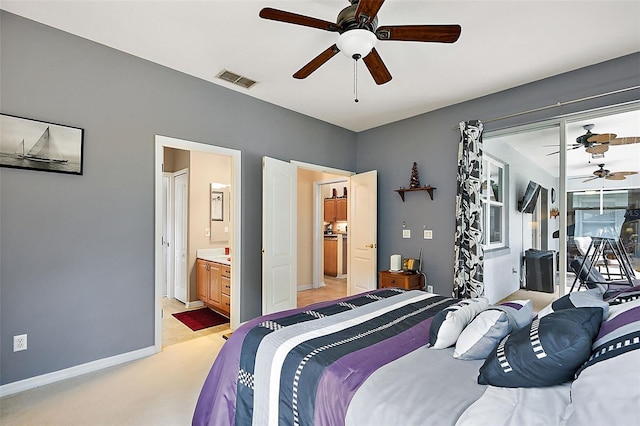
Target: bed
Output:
[(375, 359)]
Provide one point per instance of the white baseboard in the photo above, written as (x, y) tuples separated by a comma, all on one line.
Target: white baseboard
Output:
[(308, 286), (78, 370), (196, 304)]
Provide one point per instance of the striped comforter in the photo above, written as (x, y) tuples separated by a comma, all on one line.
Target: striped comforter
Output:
[(305, 366)]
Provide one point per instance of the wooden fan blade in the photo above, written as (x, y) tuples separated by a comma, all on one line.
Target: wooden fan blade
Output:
[(367, 10), (316, 62), (597, 149), (625, 141), (623, 173), (615, 176), (427, 33), (602, 138), (377, 68), (590, 179), (294, 18), (552, 153)]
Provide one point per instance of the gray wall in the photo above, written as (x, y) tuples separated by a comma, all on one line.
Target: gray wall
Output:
[(430, 140), (77, 252)]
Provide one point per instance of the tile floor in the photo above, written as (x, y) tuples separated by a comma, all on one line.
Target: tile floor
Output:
[(174, 331)]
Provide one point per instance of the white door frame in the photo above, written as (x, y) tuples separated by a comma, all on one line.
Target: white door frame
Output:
[(318, 247), (167, 231), (180, 225), (318, 229), (235, 238)]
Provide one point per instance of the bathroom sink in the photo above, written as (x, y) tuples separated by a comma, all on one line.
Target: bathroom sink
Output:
[(214, 255)]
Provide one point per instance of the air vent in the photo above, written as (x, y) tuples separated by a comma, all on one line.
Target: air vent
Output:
[(236, 79)]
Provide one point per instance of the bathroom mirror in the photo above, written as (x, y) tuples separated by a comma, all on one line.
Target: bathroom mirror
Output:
[(219, 195)]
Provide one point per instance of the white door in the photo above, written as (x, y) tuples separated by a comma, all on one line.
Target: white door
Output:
[(279, 235), (167, 222), (363, 235), (181, 193)]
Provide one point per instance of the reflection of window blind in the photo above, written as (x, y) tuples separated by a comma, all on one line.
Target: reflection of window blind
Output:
[(593, 224), (610, 199), (588, 219)]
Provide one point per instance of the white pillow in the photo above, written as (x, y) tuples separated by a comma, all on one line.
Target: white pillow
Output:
[(447, 324), (486, 330)]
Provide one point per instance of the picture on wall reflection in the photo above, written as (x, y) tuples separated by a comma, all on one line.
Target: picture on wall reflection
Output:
[(217, 202), (38, 145)]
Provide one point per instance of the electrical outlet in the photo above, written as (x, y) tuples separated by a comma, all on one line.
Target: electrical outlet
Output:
[(20, 343), (428, 234), (429, 289), (406, 233)]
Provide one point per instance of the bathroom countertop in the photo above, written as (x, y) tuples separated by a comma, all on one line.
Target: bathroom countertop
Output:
[(214, 255)]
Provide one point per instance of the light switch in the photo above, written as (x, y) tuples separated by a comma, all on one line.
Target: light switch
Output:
[(428, 234), (406, 233), (226, 229)]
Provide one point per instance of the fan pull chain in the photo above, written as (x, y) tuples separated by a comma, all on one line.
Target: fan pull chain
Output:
[(355, 78)]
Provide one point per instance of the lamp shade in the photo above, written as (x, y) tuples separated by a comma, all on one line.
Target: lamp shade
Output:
[(356, 42)]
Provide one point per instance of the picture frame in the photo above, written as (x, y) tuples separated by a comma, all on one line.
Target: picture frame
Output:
[(40, 145), (217, 204)]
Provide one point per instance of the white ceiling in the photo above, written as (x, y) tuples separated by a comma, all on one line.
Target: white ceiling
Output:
[(503, 44)]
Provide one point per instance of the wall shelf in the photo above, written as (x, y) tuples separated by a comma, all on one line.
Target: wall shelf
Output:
[(429, 189)]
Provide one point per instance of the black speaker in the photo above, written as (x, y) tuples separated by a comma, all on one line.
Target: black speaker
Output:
[(539, 269)]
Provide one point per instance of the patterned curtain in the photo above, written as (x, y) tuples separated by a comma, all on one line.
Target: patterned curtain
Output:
[(468, 257)]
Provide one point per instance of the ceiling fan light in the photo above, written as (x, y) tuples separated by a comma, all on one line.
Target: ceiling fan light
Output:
[(356, 42)]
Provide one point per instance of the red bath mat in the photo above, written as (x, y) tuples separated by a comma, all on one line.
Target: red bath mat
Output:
[(201, 318)]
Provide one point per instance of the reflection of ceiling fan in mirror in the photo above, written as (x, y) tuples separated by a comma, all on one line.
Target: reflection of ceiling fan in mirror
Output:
[(598, 143), (606, 174)]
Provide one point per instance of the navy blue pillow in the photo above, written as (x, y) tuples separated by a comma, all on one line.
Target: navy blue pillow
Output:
[(547, 352)]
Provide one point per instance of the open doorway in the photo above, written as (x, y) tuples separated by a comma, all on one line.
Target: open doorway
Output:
[(202, 158), (280, 233), (322, 235)]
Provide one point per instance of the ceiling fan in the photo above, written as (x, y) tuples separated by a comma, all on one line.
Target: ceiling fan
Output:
[(598, 143), (357, 25), (607, 174)]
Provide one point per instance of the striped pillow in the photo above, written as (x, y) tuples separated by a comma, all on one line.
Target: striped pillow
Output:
[(577, 299), (607, 387), (486, 330), (619, 333), (447, 324)]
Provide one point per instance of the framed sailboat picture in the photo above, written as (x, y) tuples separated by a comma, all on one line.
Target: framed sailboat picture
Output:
[(38, 145)]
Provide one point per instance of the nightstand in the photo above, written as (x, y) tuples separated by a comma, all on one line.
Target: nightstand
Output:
[(401, 279)]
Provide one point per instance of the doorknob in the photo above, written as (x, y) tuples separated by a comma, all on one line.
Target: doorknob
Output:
[(370, 245)]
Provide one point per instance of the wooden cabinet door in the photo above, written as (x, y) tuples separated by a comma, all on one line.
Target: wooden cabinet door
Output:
[(225, 290), (330, 210), (331, 257), (341, 209), (345, 253), (214, 284), (202, 279)]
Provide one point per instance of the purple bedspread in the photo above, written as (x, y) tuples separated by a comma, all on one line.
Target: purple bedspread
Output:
[(317, 356)]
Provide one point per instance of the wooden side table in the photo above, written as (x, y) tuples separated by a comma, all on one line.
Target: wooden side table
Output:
[(401, 279)]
